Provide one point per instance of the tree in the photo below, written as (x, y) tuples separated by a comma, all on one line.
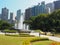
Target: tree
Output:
[(5, 25), (38, 22), (46, 22)]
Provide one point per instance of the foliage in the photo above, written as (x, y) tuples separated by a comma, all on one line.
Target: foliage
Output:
[(42, 43), (39, 39), (24, 31), (10, 31), (25, 35), (11, 40), (46, 22), (5, 25)]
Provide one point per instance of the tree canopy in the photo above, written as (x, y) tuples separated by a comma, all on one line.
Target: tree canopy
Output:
[(46, 22), (5, 25)]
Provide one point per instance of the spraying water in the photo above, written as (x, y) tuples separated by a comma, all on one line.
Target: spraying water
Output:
[(19, 24)]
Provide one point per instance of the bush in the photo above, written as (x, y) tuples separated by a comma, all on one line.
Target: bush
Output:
[(39, 39), (24, 31), (5, 25), (41, 32), (10, 31), (15, 35), (19, 35), (30, 40), (25, 35)]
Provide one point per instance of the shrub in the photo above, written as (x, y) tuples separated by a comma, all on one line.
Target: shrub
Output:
[(25, 31), (25, 35), (10, 31), (39, 39)]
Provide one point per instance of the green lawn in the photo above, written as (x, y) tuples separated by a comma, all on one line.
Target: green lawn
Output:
[(13, 40), (10, 40), (42, 43)]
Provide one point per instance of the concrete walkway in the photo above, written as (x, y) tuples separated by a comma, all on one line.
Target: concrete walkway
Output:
[(51, 38), (1, 32)]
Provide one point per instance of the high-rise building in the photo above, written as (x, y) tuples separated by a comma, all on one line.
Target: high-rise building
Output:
[(18, 15), (42, 8), (34, 11), (18, 19), (4, 15), (28, 13), (56, 5), (49, 8), (11, 16), (0, 16)]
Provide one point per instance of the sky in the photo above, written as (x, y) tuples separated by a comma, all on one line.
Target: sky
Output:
[(14, 5)]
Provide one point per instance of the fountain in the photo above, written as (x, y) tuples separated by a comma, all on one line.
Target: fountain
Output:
[(19, 24)]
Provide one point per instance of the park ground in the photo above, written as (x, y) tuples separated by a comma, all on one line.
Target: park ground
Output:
[(11, 40), (15, 40)]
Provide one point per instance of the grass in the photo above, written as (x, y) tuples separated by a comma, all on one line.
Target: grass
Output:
[(7, 40), (12, 40), (42, 43), (16, 40)]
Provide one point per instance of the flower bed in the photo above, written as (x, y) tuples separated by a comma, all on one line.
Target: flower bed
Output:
[(55, 43)]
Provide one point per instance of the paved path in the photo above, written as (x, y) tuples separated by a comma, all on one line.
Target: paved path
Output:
[(51, 38), (1, 32)]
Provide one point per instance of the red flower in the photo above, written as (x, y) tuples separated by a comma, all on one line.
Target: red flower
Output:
[(53, 44)]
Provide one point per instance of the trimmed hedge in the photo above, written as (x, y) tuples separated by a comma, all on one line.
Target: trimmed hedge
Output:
[(10, 31), (24, 31), (19, 35), (25, 35), (29, 41), (39, 39)]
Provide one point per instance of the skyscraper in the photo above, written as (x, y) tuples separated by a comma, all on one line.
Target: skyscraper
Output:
[(28, 13), (34, 11), (4, 15), (18, 19), (18, 15), (11, 16), (0, 16), (42, 8), (56, 5), (49, 8)]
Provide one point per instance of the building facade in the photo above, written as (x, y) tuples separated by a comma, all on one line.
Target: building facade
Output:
[(49, 7), (4, 15), (28, 13), (42, 8), (18, 15), (56, 5), (17, 19), (34, 11), (11, 18), (0, 16)]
